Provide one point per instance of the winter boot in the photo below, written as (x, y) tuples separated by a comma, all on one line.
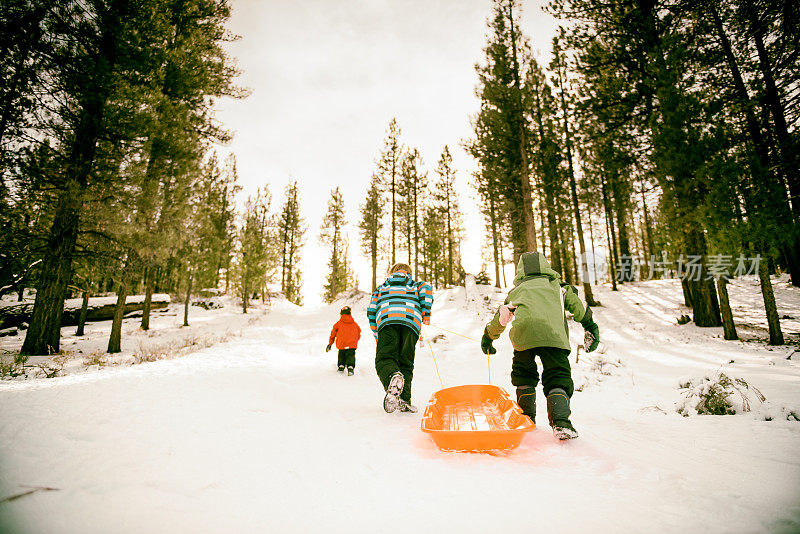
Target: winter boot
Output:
[(392, 399), (350, 371), (558, 413), (526, 398), (407, 407), (341, 368)]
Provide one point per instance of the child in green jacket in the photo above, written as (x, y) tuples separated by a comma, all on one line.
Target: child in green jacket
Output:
[(536, 306)]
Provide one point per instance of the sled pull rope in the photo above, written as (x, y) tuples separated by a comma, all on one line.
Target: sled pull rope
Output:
[(435, 365), (488, 358), (456, 333)]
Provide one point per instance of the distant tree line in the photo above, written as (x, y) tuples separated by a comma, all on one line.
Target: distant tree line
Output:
[(407, 217)]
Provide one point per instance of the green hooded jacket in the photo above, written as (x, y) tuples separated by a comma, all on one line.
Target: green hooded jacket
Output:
[(540, 299)]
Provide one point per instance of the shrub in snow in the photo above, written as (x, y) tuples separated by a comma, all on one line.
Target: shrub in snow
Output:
[(212, 303), (603, 365), (97, 357), (207, 292), (717, 395), (592, 370), (483, 279), (175, 348), (54, 367), (12, 367)]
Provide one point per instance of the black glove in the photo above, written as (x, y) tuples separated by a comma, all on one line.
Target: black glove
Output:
[(328, 348), (486, 344), (592, 336)]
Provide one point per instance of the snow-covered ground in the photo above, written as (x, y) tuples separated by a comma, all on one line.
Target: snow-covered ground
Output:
[(259, 433)]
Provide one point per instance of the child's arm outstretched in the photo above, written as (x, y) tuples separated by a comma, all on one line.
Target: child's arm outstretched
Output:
[(334, 331), (584, 316), (496, 327)]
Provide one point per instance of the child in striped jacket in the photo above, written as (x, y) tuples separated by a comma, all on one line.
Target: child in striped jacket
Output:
[(396, 313)]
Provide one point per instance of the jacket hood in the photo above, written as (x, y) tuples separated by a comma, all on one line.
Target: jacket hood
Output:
[(400, 278), (346, 318), (533, 264)]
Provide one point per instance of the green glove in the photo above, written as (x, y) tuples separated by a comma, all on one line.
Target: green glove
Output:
[(592, 333), (486, 344)]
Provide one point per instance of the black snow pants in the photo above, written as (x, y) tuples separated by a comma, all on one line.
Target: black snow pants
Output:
[(395, 352), (556, 372), (347, 358)]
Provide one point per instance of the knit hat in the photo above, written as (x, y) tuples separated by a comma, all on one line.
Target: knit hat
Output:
[(345, 311)]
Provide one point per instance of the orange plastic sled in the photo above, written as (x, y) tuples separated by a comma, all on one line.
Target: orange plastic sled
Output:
[(475, 418)]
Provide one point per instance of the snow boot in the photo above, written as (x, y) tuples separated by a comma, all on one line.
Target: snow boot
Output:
[(341, 368), (392, 399), (350, 371), (407, 407), (526, 398), (558, 413)]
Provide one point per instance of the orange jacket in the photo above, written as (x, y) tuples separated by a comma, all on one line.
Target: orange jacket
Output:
[(346, 332)]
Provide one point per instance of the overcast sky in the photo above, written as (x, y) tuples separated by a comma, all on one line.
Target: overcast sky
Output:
[(327, 76)]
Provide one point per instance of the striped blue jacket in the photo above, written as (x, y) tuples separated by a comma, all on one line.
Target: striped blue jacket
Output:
[(400, 300)]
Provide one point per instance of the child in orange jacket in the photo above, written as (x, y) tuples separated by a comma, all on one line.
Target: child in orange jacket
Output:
[(346, 333)]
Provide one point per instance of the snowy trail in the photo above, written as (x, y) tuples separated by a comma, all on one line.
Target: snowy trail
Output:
[(260, 434)]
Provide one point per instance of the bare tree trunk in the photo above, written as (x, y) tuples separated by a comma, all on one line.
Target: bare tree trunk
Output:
[(283, 258), (188, 299), (552, 231), (394, 210), (591, 240), (84, 311), (449, 244), (543, 226), (773, 319), (619, 205), (115, 340), (728, 326), (246, 289), (573, 258), (150, 282), (503, 264), (44, 333), (495, 244), (687, 293), (374, 261), (705, 304), (612, 244)]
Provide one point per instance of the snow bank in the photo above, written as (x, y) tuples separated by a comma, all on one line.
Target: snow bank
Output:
[(260, 433)]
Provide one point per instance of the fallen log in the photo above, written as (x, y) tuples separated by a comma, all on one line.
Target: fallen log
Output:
[(100, 309)]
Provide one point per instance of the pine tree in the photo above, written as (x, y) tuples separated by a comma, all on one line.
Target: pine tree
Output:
[(370, 226), (102, 98), (291, 229), (412, 186), (502, 126), (255, 248), (389, 171), (447, 201), (332, 234)]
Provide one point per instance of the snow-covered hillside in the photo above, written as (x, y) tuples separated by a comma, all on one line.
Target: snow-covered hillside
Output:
[(259, 433)]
